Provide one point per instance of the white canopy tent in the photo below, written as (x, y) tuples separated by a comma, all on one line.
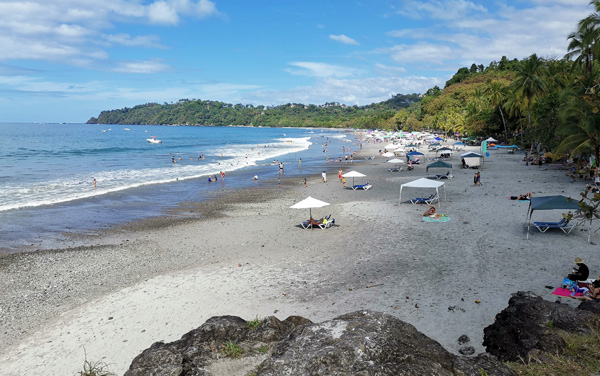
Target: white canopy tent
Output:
[(424, 183)]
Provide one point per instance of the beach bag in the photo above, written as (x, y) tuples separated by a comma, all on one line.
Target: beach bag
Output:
[(569, 284)]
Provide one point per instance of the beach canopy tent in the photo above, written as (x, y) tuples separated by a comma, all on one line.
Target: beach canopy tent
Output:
[(353, 174), (444, 150), (472, 159), (549, 203), (471, 154), (309, 203), (424, 183), (438, 164)]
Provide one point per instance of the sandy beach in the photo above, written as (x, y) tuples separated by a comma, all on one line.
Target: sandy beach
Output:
[(243, 253)]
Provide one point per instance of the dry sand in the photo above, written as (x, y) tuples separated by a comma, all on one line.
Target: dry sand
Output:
[(244, 254)]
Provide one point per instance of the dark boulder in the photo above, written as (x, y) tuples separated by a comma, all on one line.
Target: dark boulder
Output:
[(193, 353), (527, 324), (590, 305), (359, 343)]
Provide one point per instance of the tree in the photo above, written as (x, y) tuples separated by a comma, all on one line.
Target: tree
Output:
[(580, 123), (529, 84), (583, 45), (497, 94)]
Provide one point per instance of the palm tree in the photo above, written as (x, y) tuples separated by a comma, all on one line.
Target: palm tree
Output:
[(583, 45), (580, 124), (497, 93), (529, 85)]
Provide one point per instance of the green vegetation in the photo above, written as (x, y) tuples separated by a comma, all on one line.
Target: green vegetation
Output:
[(253, 324), (232, 350), (95, 369), (199, 112), (581, 357), (263, 349)]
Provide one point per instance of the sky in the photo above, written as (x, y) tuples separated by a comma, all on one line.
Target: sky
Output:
[(68, 60)]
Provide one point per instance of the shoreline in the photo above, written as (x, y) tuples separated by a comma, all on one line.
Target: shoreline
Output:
[(244, 254)]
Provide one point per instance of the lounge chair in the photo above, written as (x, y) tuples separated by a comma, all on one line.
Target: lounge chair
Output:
[(362, 186), (425, 200), (326, 222), (563, 224), (307, 224), (447, 175), (395, 169)]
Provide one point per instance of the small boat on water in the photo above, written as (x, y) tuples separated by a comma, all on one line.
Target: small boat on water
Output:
[(154, 140)]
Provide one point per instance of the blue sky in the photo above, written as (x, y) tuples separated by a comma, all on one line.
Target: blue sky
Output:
[(67, 60)]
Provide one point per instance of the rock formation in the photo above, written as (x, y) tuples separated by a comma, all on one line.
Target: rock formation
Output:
[(359, 343), (522, 328)]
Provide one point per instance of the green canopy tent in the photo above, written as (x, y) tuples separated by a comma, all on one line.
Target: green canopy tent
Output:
[(438, 164), (549, 203)]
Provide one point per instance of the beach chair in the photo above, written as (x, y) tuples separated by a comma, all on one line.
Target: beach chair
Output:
[(425, 200), (326, 222), (447, 175), (362, 186), (563, 224), (395, 169)]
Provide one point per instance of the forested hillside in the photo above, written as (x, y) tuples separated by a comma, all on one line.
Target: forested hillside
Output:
[(199, 112)]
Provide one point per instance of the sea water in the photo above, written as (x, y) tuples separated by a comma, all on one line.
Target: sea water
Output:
[(57, 178)]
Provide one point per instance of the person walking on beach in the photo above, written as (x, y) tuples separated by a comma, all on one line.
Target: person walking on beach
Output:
[(324, 176), (280, 168), (340, 172), (477, 179), (304, 182)]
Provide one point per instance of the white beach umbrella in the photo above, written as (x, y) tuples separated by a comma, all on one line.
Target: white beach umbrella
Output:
[(387, 154), (353, 174), (309, 203), (395, 161)]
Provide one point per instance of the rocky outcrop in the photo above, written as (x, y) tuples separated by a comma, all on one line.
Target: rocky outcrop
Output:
[(359, 343), (526, 326)]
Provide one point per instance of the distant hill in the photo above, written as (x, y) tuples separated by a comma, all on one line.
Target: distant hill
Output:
[(216, 113)]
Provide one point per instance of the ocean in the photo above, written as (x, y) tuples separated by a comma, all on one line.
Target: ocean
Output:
[(47, 171)]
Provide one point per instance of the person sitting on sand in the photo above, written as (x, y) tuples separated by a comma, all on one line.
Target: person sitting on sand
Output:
[(524, 197), (430, 211), (593, 291), (581, 272)]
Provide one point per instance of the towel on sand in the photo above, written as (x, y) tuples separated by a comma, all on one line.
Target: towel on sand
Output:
[(436, 218), (564, 292)]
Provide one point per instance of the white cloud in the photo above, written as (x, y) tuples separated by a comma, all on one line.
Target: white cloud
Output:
[(387, 70), (314, 69), (128, 40), (472, 33), (441, 10), (162, 13), (69, 30), (421, 52), (348, 91), (343, 39), (147, 66)]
